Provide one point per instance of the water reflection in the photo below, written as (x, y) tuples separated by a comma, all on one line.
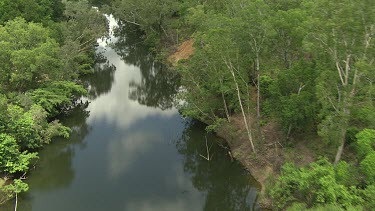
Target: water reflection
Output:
[(54, 168), (127, 154), (158, 86), (100, 82), (227, 185), (130, 46)]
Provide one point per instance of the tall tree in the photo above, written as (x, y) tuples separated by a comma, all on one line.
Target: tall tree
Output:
[(29, 57), (343, 31), (256, 30)]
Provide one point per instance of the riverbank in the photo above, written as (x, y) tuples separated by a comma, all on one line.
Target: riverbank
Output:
[(269, 140), (271, 152)]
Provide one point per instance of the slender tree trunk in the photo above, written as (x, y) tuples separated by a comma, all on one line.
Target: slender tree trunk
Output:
[(16, 203), (347, 104), (289, 130), (258, 86), (243, 112), (340, 150), (225, 103)]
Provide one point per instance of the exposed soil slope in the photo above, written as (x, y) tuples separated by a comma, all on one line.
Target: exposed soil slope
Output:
[(184, 51)]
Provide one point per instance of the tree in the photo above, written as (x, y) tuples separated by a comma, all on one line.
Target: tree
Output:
[(31, 10), (29, 57), (57, 96), (366, 153), (313, 185), (82, 26), (150, 15), (11, 159), (30, 128), (256, 30), (349, 46), (292, 96), (14, 189)]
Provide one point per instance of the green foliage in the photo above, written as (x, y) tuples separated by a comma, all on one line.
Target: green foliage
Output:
[(292, 96), (57, 95), (31, 10), (79, 32), (325, 186), (366, 154), (150, 15), (325, 207), (367, 166), (30, 128), (16, 187), (29, 57), (368, 196), (44, 46), (313, 185), (365, 142), (11, 159), (345, 173)]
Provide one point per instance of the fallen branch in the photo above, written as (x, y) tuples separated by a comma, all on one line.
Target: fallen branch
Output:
[(208, 158)]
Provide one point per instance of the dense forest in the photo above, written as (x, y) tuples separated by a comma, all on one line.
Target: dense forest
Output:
[(306, 66), (44, 47)]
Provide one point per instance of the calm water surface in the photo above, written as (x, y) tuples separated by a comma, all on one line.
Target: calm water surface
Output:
[(131, 150)]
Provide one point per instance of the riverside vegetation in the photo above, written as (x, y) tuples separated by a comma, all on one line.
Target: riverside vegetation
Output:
[(44, 47), (289, 82)]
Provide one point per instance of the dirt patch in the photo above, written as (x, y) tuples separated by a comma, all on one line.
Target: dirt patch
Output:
[(270, 154), (184, 51)]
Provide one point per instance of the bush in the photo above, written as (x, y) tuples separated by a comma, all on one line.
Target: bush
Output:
[(314, 185)]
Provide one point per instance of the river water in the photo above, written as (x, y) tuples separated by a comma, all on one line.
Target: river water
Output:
[(130, 149)]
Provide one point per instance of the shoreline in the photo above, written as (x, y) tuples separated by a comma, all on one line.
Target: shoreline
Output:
[(269, 140)]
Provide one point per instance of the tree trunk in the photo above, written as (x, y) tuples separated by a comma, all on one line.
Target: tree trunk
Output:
[(16, 203), (242, 110), (225, 103), (344, 127), (258, 86), (340, 150)]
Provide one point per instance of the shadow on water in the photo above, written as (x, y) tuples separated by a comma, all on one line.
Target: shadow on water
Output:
[(100, 82), (159, 85), (228, 186), (54, 169)]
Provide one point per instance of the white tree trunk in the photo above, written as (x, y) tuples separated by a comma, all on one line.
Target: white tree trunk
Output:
[(242, 110)]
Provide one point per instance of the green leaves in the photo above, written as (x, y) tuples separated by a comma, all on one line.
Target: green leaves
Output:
[(313, 185), (368, 167), (344, 185), (365, 142), (16, 187), (366, 153), (31, 10), (57, 95), (30, 128), (11, 159), (29, 56)]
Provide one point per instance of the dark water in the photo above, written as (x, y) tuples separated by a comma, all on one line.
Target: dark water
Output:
[(131, 150)]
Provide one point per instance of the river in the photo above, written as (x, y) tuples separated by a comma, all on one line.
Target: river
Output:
[(130, 149)]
